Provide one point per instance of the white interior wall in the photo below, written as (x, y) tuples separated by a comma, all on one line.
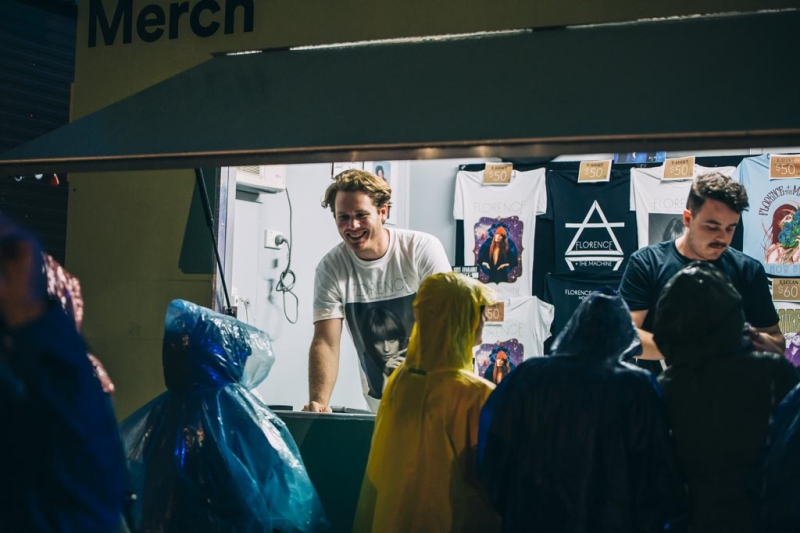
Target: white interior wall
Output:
[(256, 269), (432, 187)]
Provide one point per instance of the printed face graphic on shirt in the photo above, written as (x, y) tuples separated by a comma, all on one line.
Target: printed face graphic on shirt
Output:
[(498, 249), (781, 229), (594, 244), (496, 361), (664, 227), (380, 333)]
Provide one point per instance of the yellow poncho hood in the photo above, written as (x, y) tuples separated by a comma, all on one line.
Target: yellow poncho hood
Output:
[(421, 474)]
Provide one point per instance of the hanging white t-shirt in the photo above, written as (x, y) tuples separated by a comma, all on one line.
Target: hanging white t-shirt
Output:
[(499, 228), (521, 335), (375, 299), (659, 204), (527, 319)]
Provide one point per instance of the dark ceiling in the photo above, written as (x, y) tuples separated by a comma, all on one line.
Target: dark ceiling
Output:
[(64, 7)]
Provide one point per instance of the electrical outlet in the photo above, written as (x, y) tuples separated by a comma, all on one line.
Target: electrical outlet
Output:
[(269, 239)]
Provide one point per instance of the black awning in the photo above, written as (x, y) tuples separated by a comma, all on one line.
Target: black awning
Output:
[(691, 83)]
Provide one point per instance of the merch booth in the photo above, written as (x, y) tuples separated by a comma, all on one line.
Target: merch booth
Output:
[(162, 90)]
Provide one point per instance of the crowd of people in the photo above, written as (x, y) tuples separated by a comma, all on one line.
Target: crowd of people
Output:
[(582, 440)]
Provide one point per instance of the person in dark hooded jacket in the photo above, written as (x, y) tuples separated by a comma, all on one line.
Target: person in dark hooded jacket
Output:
[(720, 394), (780, 512), (578, 441)]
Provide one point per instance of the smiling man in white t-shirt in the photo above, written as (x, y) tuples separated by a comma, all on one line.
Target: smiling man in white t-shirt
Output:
[(374, 272)]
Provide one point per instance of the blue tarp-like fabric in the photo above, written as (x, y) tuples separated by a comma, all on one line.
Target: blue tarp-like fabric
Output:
[(579, 441), (207, 455), (780, 510)]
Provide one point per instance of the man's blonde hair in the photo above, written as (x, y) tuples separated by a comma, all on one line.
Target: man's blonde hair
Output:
[(358, 180)]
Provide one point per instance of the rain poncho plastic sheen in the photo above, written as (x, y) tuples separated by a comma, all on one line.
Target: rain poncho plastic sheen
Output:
[(421, 470), (207, 456), (780, 509), (719, 395), (578, 441)]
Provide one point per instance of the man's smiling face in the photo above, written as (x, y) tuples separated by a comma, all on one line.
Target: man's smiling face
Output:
[(360, 224)]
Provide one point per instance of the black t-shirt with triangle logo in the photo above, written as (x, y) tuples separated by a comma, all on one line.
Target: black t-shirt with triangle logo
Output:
[(594, 228)]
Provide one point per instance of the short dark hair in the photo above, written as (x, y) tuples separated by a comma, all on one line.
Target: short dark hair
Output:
[(717, 186)]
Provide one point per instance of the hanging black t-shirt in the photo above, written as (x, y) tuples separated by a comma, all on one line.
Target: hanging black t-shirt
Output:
[(594, 228), (650, 268), (566, 292)]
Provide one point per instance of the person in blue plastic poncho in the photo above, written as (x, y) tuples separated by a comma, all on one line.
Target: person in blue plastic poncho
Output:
[(780, 512), (719, 393), (578, 441), (421, 469), (207, 456)]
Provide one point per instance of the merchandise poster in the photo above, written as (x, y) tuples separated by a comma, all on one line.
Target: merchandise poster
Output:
[(772, 223), (497, 360), (498, 247)]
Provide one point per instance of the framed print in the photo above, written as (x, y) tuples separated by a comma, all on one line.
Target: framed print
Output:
[(394, 174)]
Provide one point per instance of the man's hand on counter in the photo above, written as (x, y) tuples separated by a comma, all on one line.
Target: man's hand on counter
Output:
[(316, 407)]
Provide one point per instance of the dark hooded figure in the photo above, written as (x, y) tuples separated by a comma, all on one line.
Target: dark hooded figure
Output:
[(781, 474), (498, 254), (207, 456), (719, 394), (578, 441)]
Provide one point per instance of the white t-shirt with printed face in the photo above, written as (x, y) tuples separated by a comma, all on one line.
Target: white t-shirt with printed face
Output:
[(526, 319), (375, 299), (521, 335), (659, 205), (499, 228)]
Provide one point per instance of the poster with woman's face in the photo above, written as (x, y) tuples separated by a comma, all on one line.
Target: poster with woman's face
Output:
[(782, 237), (498, 249), (385, 171), (497, 360)]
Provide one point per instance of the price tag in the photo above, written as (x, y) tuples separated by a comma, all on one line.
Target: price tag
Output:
[(784, 166), (594, 171), (497, 173), (786, 289), (678, 169), (495, 313)]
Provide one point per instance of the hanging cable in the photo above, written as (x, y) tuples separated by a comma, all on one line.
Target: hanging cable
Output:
[(201, 186), (287, 279)]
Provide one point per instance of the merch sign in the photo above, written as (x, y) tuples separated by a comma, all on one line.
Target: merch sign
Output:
[(153, 22)]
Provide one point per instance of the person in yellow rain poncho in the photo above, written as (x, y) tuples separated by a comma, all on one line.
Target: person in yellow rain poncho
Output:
[(421, 473)]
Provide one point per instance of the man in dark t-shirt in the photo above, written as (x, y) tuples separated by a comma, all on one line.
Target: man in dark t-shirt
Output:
[(712, 213)]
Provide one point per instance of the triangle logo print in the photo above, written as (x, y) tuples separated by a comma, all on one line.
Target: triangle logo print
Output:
[(598, 248)]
